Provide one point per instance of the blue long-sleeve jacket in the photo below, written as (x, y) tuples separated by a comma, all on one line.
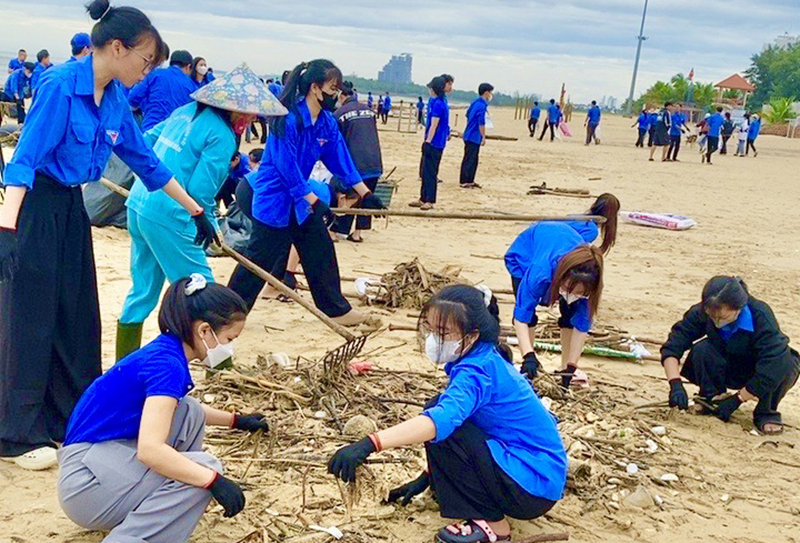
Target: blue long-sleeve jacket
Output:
[(490, 393), (281, 182), (163, 91), (69, 139)]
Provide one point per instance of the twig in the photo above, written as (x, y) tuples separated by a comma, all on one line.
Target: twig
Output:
[(541, 538)]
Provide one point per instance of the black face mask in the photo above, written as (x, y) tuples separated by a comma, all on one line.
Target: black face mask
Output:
[(329, 101)]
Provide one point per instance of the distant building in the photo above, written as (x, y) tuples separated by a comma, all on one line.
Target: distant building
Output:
[(784, 41), (397, 70)]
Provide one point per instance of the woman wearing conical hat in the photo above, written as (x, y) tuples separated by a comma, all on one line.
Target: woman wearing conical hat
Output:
[(196, 143)]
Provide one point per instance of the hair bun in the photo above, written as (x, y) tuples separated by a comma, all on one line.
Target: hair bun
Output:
[(98, 9)]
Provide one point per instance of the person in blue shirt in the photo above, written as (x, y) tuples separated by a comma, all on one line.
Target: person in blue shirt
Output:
[(643, 123), (652, 118), (387, 107), (238, 170), (17, 88), (714, 124), (49, 310), (553, 115), (380, 106), (200, 75), (17, 63), (536, 112), (437, 133), (663, 122), (132, 462), (592, 122), (196, 143), (370, 100), (164, 90), (553, 263), (81, 44), (676, 130), (475, 136), (493, 450), (285, 210), (42, 64), (752, 133), (420, 110), (734, 342)]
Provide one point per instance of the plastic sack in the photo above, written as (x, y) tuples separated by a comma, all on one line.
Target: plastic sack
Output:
[(658, 220), (564, 129)]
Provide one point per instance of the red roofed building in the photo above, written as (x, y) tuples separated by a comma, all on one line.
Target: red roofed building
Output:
[(738, 83)]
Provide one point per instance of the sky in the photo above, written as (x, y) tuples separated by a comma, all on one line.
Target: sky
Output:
[(518, 46)]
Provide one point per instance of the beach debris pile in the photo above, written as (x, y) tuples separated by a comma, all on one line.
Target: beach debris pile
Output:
[(410, 285)]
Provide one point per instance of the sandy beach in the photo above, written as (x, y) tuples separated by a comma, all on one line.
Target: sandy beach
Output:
[(747, 225)]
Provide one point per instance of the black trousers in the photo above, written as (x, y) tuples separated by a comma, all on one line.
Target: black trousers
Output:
[(590, 133), (468, 484), (385, 117), (552, 127), (49, 320), (651, 133), (707, 368), (469, 165), (712, 144), (227, 191), (674, 147), (269, 248), (724, 150), (431, 159), (344, 223), (532, 126), (751, 144), (640, 140), (419, 116)]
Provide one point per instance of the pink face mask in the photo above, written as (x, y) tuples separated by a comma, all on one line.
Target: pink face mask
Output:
[(240, 125)]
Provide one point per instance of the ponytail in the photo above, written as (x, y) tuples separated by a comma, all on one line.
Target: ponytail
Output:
[(297, 85), (607, 205)]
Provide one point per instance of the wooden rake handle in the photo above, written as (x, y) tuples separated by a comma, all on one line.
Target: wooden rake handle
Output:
[(261, 273), (470, 216)]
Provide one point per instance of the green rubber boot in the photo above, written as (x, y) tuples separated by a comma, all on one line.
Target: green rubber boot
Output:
[(129, 338)]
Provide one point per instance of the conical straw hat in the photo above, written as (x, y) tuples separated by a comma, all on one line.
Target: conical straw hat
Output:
[(240, 90)]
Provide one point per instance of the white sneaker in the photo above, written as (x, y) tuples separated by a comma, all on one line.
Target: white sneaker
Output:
[(36, 460)]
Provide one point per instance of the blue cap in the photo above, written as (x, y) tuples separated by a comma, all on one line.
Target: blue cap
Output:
[(81, 39)]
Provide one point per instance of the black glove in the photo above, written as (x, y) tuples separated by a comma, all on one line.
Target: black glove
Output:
[(205, 231), (566, 377), (250, 423), (290, 280), (370, 201), (726, 407), (8, 253), (677, 394), (228, 494), (324, 211), (530, 365), (344, 462), (409, 490)]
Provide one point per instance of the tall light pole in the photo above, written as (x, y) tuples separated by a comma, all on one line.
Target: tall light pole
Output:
[(640, 38)]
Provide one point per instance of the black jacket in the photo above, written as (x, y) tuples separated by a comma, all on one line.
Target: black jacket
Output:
[(358, 124), (763, 354)]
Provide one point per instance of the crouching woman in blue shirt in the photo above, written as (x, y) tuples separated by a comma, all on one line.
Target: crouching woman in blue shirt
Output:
[(553, 263), (493, 450), (49, 310), (734, 342), (285, 210), (132, 461)]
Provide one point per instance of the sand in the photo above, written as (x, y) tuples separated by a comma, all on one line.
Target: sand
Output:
[(747, 225)]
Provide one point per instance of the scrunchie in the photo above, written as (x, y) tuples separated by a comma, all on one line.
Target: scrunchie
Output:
[(196, 283)]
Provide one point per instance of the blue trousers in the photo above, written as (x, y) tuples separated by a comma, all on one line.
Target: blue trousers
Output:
[(158, 253)]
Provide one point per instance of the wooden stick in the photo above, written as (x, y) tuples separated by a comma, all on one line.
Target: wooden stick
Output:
[(477, 215), (541, 538)]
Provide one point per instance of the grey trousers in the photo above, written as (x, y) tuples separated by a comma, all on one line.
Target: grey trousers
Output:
[(103, 486)]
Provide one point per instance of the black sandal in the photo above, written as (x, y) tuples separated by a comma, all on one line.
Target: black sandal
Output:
[(760, 421), (471, 531), (354, 240)]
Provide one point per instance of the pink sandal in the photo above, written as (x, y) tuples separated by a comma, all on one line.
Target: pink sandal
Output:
[(471, 531)]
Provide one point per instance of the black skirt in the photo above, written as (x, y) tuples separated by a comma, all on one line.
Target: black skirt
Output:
[(661, 136)]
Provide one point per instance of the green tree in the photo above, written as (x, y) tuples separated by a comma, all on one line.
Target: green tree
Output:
[(704, 94), (776, 74), (680, 87), (781, 111)]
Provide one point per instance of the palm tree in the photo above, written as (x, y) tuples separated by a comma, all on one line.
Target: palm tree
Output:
[(680, 86), (704, 94), (781, 110)]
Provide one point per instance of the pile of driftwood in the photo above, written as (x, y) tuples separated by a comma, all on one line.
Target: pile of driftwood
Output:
[(10, 139), (410, 285)]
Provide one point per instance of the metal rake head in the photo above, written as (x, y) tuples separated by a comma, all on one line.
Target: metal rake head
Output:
[(338, 358)]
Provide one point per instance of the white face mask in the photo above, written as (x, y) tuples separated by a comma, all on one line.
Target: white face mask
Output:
[(219, 354), (569, 297), (202, 70), (441, 352)]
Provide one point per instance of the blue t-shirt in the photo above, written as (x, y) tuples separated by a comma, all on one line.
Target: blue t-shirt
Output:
[(755, 128), (536, 254), (111, 408), (440, 109), (160, 93), (476, 118), (553, 114), (387, 103), (487, 391), (520, 255), (714, 124), (644, 121), (594, 115), (15, 64), (677, 123), (535, 113)]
